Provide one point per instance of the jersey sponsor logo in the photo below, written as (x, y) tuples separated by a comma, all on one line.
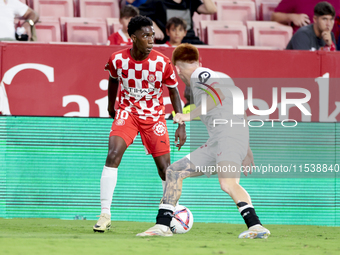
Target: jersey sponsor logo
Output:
[(151, 78), (139, 93), (120, 122), (159, 128), (204, 76)]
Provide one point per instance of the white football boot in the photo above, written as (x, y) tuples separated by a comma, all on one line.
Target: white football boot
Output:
[(103, 224), (257, 231), (157, 230)]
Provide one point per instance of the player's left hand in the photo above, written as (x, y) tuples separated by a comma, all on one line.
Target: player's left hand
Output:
[(248, 162), (180, 118), (182, 135)]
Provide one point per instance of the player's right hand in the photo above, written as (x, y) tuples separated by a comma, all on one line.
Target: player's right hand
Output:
[(180, 118), (327, 37), (112, 113), (300, 20)]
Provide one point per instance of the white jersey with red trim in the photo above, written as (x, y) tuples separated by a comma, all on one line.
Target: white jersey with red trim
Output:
[(141, 82), (203, 80)]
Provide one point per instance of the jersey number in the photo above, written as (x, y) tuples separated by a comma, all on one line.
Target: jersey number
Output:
[(122, 115)]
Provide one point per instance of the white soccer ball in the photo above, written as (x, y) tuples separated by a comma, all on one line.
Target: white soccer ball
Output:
[(182, 220)]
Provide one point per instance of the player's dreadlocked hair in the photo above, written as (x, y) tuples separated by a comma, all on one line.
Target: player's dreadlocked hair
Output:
[(185, 52), (136, 23)]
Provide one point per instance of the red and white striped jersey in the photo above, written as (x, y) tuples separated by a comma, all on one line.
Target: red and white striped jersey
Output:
[(141, 82)]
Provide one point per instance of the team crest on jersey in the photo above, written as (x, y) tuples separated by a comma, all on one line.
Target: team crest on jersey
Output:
[(120, 122), (159, 128), (151, 78), (173, 75)]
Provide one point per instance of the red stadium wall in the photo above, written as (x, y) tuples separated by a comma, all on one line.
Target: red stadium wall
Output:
[(69, 80)]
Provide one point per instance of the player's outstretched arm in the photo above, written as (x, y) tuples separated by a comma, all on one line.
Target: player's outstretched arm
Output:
[(176, 104), (112, 94), (298, 19)]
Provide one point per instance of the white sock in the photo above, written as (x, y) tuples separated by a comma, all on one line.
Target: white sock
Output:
[(167, 207), (107, 186), (245, 207)]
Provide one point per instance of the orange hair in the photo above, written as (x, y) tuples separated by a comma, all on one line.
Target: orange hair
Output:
[(185, 52)]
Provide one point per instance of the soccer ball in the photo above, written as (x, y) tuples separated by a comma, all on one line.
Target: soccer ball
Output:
[(182, 220)]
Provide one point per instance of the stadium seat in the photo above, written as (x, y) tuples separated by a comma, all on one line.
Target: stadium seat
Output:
[(214, 47), (99, 8), (76, 8), (196, 19), (235, 10), (72, 43), (86, 31), (232, 35), (48, 29), (266, 10), (268, 33), (63, 21), (113, 25), (29, 3), (54, 8), (205, 23), (250, 47)]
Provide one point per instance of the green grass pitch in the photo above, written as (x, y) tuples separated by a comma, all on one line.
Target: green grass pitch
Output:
[(68, 237)]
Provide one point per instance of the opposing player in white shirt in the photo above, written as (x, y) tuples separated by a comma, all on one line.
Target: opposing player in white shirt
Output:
[(226, 150), (140, 73)]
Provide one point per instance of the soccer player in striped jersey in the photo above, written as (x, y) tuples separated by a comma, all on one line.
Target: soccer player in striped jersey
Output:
[(140, 74)]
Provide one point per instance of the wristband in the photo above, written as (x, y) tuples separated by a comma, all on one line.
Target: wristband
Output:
[(30, 22)]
